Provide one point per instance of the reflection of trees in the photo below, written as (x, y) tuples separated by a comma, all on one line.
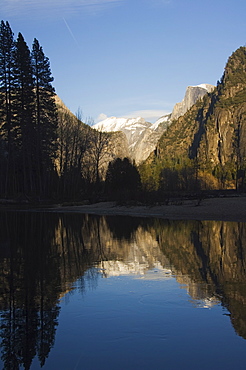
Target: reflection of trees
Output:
[(28, 289), (123, 227), (41, 256)]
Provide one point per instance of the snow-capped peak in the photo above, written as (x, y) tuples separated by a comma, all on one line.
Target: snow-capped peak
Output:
[(118, 124), (207, 87)]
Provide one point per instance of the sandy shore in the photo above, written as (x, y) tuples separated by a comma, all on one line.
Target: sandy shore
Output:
[(224, 209)]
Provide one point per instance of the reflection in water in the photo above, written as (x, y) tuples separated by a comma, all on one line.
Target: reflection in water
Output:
[(43, 254), (29, 288)]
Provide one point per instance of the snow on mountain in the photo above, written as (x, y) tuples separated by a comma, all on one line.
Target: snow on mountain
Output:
[(119, 124), (207, 87), (142, 136), (162, 119), (192, 94)]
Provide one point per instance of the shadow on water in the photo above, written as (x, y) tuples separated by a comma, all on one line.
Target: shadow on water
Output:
[(42, 255)]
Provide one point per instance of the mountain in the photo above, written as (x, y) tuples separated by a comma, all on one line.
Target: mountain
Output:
[(129, 125), (212, 132), (143, 136), (192, 94)]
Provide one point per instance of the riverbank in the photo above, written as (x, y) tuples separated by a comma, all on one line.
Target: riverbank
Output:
[(224, 209)]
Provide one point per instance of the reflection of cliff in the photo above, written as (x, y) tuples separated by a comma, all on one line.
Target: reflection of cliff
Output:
[(212, 255), (225, 245)]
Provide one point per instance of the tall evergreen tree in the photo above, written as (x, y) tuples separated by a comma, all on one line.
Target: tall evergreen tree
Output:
[(7, 96), (28, 117), (25, 114), (45, 117)]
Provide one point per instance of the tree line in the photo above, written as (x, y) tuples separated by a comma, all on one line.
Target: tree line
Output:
[(45, 151), (28, 117)]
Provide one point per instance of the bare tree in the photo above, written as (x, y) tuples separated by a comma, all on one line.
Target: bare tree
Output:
[(74, 143), (99, 152)]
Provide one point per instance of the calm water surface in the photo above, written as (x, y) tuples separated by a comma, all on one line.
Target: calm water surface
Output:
[(90, 292)]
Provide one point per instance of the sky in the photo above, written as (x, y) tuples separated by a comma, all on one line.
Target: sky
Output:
[(129, 58)]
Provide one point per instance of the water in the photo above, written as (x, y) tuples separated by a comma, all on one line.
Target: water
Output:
[(90, 292)]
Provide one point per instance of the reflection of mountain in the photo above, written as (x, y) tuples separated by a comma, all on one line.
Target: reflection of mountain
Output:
[(142, 254), (213, 255), (42, 255)]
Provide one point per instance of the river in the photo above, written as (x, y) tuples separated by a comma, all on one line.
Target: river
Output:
[(115, 292)]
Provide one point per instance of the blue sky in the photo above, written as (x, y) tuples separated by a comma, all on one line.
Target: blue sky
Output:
[(129, 58)]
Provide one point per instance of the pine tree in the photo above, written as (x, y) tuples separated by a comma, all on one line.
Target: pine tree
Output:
[(7, 97), (25, 115), (45, 117), (122, 180), (28, 117)]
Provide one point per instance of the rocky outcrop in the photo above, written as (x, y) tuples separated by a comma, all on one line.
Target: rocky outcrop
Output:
[(118, 146), (223, 117), (192, 94), (146, 141)]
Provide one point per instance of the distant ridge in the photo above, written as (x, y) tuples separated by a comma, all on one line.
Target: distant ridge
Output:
[(143, 136)]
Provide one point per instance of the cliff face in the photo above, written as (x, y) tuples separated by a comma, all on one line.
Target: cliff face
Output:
[(214, 129), (147, 140), (224, 118), (192, 95)]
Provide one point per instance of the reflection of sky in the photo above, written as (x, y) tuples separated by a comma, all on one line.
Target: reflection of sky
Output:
[(129, 323), (140, 270)]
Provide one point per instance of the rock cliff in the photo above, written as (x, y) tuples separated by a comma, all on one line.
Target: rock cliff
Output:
[(192, 94), (213, 131)]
